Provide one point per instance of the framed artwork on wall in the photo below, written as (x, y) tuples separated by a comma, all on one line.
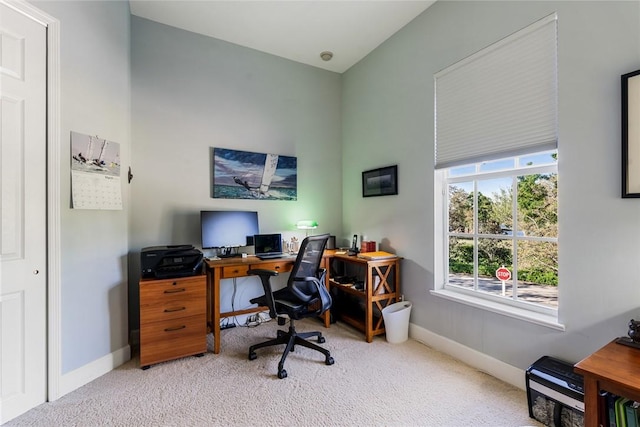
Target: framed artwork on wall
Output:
[(247, 175), (380, 182), (631, 134)]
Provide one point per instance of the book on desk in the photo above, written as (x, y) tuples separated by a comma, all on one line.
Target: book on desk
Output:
[(377, 255)]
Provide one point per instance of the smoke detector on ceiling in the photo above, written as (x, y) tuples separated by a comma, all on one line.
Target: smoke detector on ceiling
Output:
[(326, 55)]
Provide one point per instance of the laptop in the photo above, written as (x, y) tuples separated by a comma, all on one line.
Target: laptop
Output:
[(268, 246)]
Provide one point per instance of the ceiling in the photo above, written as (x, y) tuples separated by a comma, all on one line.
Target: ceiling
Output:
[(298, 30)]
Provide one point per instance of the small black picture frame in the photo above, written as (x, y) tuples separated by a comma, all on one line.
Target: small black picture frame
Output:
[(380, 182), (630, 95)]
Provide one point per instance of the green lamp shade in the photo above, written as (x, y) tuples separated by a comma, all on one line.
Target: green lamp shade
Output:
[(306, 224)]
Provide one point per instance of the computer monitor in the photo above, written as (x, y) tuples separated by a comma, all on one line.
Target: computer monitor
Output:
[(227, 229)]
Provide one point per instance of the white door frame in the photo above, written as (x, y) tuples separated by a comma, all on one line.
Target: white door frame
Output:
[(54, 291)]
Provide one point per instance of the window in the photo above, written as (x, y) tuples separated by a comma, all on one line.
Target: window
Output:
[(503, 214), (497, 177)]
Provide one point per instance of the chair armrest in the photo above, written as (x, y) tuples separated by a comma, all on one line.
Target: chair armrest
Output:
[(262, 272), (265, 275), (321, 273), (320, 287)]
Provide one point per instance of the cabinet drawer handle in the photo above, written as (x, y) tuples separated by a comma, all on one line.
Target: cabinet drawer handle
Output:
[(173, 291), (171, 310), (177, 328)]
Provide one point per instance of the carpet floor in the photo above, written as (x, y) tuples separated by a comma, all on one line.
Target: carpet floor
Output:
[(370, 384)]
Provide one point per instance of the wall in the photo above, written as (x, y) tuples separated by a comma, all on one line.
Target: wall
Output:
[(388, 114), (94, 93), (191, 93)]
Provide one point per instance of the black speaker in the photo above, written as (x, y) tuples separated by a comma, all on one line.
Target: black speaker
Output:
[(331, 243)]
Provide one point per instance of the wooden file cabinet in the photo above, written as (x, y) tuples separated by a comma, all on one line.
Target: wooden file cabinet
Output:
[(173, 320)]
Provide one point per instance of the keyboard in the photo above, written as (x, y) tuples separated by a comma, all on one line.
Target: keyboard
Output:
[(270, 256)]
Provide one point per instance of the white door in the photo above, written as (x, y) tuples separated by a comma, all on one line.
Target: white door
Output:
[(23, 274)]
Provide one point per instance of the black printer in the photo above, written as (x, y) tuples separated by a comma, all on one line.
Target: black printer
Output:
[(163, 262)]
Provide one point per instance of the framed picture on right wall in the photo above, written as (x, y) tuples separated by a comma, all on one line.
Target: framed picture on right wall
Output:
[(631, 134), (380, 182)]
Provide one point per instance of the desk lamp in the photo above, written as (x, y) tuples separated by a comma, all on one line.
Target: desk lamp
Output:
[(307, 224)]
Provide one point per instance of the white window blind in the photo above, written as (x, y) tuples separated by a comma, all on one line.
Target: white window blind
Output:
[(500, 101)]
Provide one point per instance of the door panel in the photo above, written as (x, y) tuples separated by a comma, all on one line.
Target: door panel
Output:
[(23, 202)]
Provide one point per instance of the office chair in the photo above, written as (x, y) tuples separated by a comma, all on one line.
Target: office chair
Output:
[(304, 296)]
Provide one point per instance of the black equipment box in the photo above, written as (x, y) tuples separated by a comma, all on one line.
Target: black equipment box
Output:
[(164, 262), (555, 393)]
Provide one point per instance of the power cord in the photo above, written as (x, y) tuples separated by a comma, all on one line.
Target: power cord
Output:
[(257, 319), (231, 322), (226, 324), (252, 320)]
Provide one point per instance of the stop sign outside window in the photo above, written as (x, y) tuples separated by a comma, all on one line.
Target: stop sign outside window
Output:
[(503, 274)]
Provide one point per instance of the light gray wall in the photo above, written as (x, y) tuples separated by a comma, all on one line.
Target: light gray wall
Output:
[(191, 93), (94, 93), (388, 119)]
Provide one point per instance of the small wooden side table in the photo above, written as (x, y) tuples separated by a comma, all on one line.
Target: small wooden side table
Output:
[(614, 368)]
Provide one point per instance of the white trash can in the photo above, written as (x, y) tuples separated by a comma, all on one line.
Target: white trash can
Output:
[(396, 321)]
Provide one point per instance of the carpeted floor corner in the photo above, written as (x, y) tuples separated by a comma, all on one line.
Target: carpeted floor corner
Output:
[(370, 384)]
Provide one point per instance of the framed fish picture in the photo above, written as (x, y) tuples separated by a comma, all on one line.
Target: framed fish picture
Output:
[(380, 182), (248, 175)]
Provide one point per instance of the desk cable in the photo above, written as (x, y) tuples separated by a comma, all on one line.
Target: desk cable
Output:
[(252, 321)]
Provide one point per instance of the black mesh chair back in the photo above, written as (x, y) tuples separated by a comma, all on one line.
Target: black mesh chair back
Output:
[(307, 266), (304, 296)]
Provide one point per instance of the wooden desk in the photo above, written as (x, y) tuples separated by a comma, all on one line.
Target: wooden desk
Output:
[(228, 268), (384, 274), (614, 368)]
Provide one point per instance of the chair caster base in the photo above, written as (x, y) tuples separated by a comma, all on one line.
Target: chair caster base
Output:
[(329, 361), (282, 374), (253, 355)]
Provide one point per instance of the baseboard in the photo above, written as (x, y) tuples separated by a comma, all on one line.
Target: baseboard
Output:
[(471, 357), (89, 372)]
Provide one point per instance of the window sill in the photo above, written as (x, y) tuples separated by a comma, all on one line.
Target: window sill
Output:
[(506, 310)]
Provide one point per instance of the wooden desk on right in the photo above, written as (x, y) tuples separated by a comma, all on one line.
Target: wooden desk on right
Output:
[(614, 368), (381, 288)]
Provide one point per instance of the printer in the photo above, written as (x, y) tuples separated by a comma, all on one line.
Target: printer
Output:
[(163, 262)]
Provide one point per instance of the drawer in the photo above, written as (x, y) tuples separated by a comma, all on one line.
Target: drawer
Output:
[(161, 301), (160, 341), (149, 287), (234, 271), (163, 308), (241, 270), (279, 266)]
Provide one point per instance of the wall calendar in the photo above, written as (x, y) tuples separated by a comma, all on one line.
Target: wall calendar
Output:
[(95, 173)]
